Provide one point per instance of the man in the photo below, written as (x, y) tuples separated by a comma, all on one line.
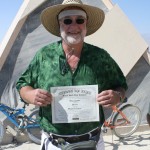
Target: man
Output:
[(71, 62)]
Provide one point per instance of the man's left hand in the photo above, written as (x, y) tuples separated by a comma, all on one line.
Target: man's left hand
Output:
[(108, 98)]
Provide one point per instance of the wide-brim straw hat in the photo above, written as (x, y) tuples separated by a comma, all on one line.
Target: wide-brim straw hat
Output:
[(49, 16)]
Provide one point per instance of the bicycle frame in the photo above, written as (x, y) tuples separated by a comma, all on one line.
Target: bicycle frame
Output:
[(12, 115), (109, 122)]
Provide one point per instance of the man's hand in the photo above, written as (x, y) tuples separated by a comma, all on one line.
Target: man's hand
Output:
[(41, 97), (38, 97), (108, 98)]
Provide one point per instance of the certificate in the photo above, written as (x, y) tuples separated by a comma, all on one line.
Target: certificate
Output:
[(75, 104)]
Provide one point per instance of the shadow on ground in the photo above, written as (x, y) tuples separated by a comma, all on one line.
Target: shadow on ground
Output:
[(11, 146), (136, 140)]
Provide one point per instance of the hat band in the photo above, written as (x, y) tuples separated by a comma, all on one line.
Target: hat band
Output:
[(71, 12)]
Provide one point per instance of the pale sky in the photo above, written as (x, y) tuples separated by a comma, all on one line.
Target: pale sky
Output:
[(138, 12), (8, 10)]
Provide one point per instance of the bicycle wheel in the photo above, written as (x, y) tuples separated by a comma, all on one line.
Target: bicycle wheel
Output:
[(1, 132), (34, 132), (122, 127)]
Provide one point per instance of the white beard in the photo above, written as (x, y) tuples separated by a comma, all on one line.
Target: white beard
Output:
[(72, 39)]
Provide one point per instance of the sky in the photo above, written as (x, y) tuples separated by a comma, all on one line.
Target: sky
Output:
[(8, 11), (138, 12)]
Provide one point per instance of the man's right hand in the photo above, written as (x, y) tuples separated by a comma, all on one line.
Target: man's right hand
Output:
[(41, 97), (37, 97)]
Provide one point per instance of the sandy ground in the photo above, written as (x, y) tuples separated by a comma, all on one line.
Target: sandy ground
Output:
[(138, 141)]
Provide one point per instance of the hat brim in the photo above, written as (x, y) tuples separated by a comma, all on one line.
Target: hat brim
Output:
[(49, 17)]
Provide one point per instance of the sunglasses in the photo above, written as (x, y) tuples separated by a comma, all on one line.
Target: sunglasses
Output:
[(69, 21)]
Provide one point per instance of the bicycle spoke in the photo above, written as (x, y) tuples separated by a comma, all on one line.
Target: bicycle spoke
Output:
[(34, 131), (126, 125)]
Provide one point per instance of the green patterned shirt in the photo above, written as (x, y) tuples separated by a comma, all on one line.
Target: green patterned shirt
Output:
[(50, 69)]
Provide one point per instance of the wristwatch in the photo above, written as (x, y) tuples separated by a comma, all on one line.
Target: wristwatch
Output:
[(121, 98)]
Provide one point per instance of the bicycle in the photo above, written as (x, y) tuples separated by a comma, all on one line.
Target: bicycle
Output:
[(22, 122), (123, 121)]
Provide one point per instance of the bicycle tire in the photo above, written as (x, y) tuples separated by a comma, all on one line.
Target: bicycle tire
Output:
[(34, 133), (133, 114), (1, 132)]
